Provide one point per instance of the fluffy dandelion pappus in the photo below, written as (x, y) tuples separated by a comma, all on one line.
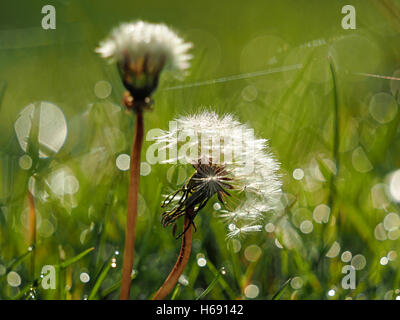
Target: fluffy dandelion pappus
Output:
[(142, 51), (231, 163)]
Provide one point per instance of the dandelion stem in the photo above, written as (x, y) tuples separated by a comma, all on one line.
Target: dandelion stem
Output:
[(32, 231), (132, 207), (181, 263)]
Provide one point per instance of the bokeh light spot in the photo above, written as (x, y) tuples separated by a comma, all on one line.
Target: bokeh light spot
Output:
[(383, 107), (251, 291), (217, 206), (62, 182), (25, 162), (145, 169), (334, 250), (123, 162), (358, 262), (252, 253), (278, 244), (13, 279), (394, 185), (391, 221), (269, 227), (346, 256), (321, 213), (360, 161), (380, 233), (378, 193), (102, 89), (298, 174), (84, 277), (306, 226), (296, 283), (49, 125), (392, 255), (331, 292)]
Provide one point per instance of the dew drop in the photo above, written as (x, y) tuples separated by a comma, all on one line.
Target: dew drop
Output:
[(84, 277), (384, 261)]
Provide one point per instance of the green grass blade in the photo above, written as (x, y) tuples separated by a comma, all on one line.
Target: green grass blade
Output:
[(176, 292), (34, 284), (16, 262), (75, 259), (100, 279), (210, 287), (279, 293), (222, 281)]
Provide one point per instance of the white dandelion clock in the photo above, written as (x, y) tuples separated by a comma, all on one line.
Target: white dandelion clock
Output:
[(142, 51), (230, 163), (141, 40)]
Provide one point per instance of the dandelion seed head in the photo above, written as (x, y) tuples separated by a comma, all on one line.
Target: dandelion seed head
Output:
[(141, 40), (230, 162)]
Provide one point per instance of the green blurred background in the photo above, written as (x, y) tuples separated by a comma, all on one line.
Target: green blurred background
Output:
[(340, 203)]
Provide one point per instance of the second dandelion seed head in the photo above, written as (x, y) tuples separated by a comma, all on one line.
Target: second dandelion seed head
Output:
[(142, 51)]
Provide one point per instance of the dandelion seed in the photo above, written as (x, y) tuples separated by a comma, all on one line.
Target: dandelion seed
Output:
[(244, 231), (230, 163)]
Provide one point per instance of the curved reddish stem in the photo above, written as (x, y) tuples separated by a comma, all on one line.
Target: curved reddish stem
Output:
[(132, 207), (180, 264)]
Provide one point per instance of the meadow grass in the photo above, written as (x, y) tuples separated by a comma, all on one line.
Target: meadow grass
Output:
[(339, 127)]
